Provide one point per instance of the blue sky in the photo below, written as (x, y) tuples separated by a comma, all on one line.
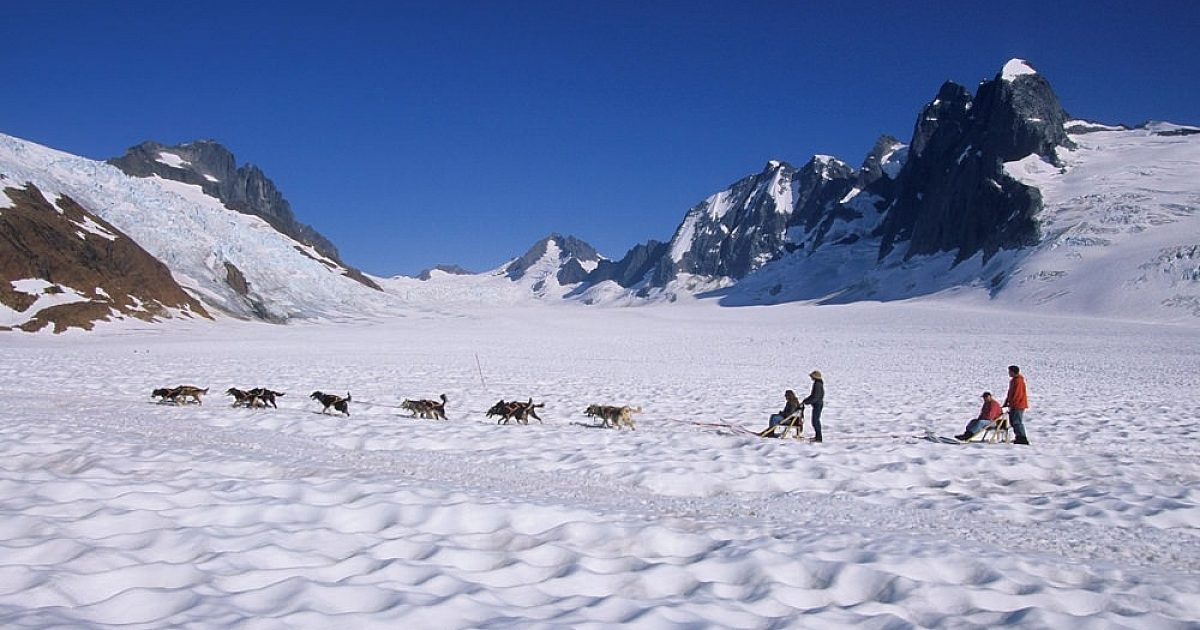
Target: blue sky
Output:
[(416, 133)]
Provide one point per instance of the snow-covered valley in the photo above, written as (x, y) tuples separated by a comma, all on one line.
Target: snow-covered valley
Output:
[(118, 511)]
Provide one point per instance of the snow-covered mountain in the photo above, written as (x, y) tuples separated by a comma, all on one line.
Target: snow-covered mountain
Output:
[(235, 263), (245, 188), (997, 195)]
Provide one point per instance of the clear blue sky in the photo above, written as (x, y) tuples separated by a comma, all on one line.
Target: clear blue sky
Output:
[(414, 133)]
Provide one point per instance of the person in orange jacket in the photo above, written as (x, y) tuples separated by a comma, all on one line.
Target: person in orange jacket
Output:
[(1017, 402)]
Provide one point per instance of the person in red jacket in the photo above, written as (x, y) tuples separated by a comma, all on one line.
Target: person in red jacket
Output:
[(1017, 402), (990, 411)]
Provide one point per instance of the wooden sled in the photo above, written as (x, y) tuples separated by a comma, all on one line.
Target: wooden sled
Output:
[(794, 422)]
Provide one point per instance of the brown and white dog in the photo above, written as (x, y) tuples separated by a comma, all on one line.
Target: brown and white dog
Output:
[(612, 416), (432, 409), (177, 394), (331, 400)]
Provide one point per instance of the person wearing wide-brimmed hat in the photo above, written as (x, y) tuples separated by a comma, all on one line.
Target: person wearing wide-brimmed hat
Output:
[(816, 398)]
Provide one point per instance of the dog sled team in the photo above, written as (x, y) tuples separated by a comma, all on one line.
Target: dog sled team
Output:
[(992, 424), (505, 411)]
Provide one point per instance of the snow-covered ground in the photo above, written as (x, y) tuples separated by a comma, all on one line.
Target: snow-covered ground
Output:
[(115, 511)]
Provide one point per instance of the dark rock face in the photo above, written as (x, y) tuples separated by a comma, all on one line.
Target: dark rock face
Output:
[(739, 230), (953, 194), (453, 270), (70, 248), (633, 268), (573, 255), (732, 232), (245, 188), (236, 279), (878, 164), (819, 186)]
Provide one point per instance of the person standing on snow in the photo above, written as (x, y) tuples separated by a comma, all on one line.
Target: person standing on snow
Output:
[(988, 413), (1017, 402), (816, 398)]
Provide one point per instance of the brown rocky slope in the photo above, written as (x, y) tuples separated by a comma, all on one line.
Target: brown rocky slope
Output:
[(65, 267)]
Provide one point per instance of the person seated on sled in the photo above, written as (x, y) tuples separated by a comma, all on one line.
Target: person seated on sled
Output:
[(790, 407), (988, 414)]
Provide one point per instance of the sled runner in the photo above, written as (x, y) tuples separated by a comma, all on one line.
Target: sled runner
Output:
[(724, 427)]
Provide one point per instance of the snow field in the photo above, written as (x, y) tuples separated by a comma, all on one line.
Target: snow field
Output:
[(118, 511)]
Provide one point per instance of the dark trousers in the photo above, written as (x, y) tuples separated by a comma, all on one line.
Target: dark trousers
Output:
[(816, 420)]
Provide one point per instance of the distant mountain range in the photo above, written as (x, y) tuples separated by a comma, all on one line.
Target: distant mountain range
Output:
[(998, 196)]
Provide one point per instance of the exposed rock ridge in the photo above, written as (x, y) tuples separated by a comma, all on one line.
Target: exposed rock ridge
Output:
[(65, 267)]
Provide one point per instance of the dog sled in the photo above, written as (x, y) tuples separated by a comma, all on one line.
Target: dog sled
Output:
[(793, 422), (996, 431)]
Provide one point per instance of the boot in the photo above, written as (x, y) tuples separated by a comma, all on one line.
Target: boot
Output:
[(1021, 439)]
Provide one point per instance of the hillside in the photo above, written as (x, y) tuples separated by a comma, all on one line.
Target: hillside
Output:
[(235, 263)]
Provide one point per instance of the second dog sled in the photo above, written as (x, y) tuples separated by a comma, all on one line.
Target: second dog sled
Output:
[(794, 422)]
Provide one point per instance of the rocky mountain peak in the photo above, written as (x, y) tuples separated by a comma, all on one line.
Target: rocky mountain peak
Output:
[(574, 258), (1023, 115), (953, 194)]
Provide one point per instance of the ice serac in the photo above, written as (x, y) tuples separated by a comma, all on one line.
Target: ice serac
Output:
[(567, 258), (953, 194), (245, 188), (64, 267)]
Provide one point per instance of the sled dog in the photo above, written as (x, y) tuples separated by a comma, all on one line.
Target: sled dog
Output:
[(177, 394), (515, 410), (330, 400), (612, 416), (432, 409)]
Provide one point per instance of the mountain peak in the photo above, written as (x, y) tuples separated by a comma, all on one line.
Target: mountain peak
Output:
[(568, 257), (452, 270)]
